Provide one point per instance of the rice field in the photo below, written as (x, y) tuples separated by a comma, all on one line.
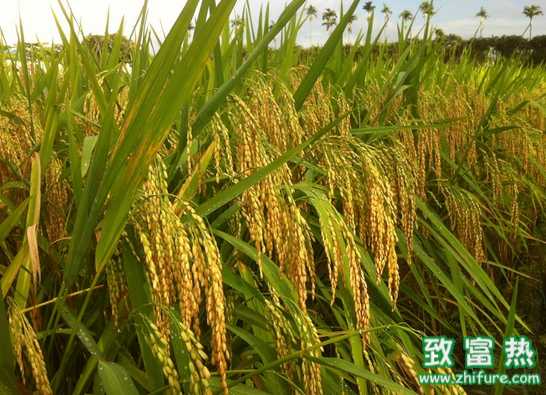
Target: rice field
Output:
[(208, 212)]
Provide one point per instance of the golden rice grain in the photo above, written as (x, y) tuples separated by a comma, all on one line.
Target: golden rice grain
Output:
[(182, 262), (25, 342)]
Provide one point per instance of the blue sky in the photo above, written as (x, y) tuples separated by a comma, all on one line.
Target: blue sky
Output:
[(454, 16)]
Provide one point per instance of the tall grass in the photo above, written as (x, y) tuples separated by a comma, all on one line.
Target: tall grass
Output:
[(213, 216)]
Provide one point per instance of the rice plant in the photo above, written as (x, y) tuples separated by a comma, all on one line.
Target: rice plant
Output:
[(211, 213)]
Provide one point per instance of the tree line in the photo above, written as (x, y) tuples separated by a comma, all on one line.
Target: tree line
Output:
[(407, 17), (524, 46)]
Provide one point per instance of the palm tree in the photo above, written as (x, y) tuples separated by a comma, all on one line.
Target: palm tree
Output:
[(427, 8), (405, 16), (531, 11), (352, 20), (329, 18), (311, 13), (369, 8), (483, 15), (386, 11)]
